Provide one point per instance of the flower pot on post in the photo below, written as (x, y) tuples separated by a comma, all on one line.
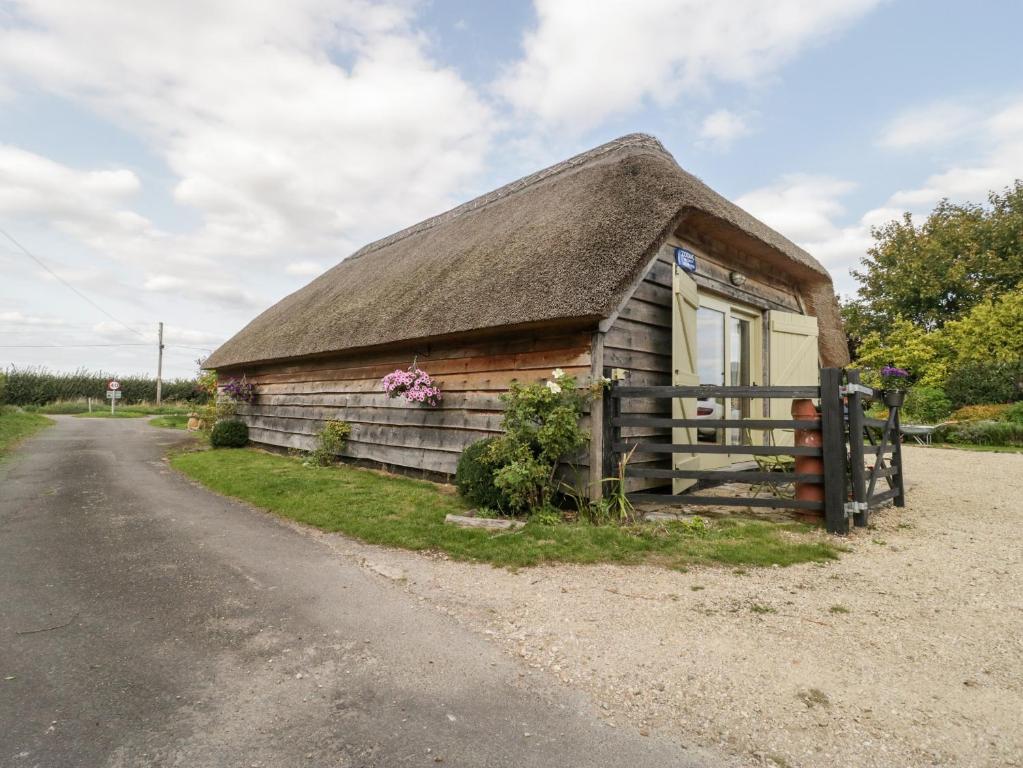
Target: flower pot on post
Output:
[(894, 398)]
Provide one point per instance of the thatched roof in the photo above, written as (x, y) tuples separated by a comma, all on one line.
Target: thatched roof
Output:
[(562, 244)]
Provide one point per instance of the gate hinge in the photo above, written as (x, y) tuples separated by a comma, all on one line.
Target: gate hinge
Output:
[(850, 389), (854, 507)]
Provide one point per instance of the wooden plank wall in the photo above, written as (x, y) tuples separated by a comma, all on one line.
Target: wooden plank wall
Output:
[(295, 398), (639, 340)]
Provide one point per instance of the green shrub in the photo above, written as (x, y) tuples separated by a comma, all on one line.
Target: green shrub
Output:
[(1014, 413), (978, 383), (474, 477), (541, 425), (991, 412), (229, 433), (927, 405), (38, 386), (981, 433), (330, 441)]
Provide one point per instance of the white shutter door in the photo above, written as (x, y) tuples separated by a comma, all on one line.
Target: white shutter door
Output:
[(683, 363), (794, 361)]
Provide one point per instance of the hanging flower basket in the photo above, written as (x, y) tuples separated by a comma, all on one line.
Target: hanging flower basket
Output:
[(414, 385), (894, 383), (894, 398)]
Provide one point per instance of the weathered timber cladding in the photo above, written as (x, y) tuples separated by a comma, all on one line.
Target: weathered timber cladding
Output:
[(294, 398), (639, 339)]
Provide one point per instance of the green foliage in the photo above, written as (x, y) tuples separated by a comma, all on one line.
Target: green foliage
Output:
[(330, 441), (1014, 413), (926, 405), (938, 271), (400, 512), (975, 382), (474, 477), (541, 425), (16, 424), (37, 386), (229, 433), (619, 507), (989, 412), (981, 433)]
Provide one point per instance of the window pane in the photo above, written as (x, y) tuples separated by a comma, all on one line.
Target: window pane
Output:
[(710, 363), (710, 343), (739, 354)]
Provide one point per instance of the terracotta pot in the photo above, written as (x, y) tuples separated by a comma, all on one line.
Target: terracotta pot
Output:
[(804, 410)]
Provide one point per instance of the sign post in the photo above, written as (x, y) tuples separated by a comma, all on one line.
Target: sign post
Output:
[(113, 393)]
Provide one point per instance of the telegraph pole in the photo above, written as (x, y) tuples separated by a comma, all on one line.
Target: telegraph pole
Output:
[(159, 369)]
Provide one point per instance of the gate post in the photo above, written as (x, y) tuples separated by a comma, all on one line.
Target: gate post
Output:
[(856, 458), (611, 433), (835, 461)]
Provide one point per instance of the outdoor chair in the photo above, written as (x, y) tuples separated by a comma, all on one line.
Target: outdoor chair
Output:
[(778, 464)]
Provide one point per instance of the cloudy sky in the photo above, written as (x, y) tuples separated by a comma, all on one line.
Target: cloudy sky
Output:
[(193, 162)]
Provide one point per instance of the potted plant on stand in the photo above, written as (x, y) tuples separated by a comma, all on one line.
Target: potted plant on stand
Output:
[(894, 383)]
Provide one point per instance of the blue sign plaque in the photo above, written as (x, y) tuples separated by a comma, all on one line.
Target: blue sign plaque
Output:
[(686, 260)]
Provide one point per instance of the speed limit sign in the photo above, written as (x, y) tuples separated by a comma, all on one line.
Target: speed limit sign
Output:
[(113, 385)]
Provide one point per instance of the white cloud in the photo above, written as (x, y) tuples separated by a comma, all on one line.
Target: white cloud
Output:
[(589, 59), (999, 138), (805, 208), (16, 319), (304, 268), (928, 126), (722, 127), (295, 130), (220, 288)]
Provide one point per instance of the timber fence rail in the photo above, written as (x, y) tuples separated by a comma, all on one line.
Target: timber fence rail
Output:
[(848, 440)]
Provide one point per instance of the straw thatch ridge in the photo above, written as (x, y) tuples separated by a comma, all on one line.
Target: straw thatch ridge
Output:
[(561, 244)]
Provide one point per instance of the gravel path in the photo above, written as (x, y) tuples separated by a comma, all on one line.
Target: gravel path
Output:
[(906, 652)]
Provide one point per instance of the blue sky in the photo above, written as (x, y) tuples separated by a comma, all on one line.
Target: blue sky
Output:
[(195, 162)]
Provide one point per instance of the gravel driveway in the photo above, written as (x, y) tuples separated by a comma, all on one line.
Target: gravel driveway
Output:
[(906, 652)]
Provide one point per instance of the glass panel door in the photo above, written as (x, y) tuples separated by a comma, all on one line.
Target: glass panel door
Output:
[(710, 362), (740, 364)]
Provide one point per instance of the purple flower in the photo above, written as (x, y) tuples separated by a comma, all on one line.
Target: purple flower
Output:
[(892, 371)]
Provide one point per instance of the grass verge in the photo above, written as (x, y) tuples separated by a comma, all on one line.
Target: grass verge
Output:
[(16, 425), (982, 448), (171, 421), (406, 513)]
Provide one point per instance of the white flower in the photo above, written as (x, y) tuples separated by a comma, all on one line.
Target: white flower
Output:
[(557, 373), (554, 387)]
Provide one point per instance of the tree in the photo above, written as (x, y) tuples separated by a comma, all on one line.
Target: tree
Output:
[(930, 274)]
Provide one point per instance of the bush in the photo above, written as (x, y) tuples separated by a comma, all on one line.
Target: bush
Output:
[(982, 433), (980, 412), (229, 433), (979, 383), (330, 441), (474, 477), (1014, 413), (541, 425), (927, 405), (38, 386)]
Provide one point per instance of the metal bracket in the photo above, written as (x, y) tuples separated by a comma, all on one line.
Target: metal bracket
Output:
[(853, 508), (850, 389)]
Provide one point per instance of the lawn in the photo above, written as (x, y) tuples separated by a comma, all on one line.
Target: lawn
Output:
[(171, 421), (16, 425), (406, 513)]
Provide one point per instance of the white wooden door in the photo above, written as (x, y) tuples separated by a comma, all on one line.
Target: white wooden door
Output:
[(794, 361), (683, 363)]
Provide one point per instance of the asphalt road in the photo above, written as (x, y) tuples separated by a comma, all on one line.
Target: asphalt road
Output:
[(146, 621)]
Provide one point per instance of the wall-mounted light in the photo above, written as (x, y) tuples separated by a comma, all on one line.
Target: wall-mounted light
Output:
[(737, 278)]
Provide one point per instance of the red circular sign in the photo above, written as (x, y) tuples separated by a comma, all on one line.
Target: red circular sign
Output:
[(113, 385)]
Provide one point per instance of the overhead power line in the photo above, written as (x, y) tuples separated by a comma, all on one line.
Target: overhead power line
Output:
[(68, 285)]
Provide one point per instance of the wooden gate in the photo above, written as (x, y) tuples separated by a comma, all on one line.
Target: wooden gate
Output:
[(875, 451), (857, 451)]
